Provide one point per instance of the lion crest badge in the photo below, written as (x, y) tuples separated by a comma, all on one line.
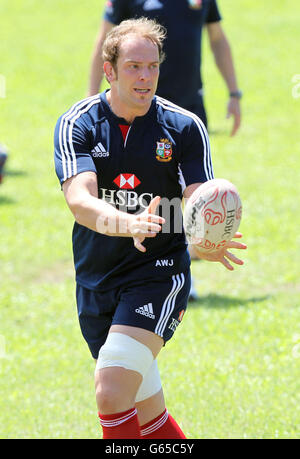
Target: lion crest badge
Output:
[(164, 150)]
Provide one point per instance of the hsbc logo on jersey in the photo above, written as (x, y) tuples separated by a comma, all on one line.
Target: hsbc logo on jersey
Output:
[(127, 181), (125, 198)]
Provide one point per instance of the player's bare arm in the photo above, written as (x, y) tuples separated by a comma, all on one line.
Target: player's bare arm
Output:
[(224, 61), (223, 256), (81, 194), (96, 70)]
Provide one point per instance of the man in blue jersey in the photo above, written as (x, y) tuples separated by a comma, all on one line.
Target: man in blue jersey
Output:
[(180, 74), (123, 157), (180, 78)]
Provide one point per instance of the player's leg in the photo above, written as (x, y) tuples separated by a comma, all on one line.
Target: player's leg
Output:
[(117, 390), (193, 295), (151, 407), (154, 418), (95, 312), (173, 297), (164, 312), (3, 158), (123, 362)]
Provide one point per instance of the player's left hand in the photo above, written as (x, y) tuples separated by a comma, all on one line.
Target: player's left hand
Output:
[(146, 224), (233, 109), (223, 256)]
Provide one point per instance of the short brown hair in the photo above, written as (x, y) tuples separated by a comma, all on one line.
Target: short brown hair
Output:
[(144, 27)]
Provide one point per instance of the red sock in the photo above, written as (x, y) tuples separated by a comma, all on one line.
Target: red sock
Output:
[(120, 425), (164, 426)]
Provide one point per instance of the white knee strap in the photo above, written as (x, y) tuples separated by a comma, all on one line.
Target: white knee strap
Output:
[(121, 350), (150, 385)]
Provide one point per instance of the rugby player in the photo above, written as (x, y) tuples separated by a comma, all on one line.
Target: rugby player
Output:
[(180, 78), (118, 156)]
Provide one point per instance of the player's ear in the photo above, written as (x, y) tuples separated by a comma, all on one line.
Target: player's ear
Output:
[(109, 72)]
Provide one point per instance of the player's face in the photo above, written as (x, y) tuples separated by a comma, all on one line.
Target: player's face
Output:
[(137, 73)]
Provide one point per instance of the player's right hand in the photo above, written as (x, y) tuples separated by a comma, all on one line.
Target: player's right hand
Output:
[(223, 255), (147, 224)]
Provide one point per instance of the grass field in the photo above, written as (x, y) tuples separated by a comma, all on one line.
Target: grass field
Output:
[(233, 367)]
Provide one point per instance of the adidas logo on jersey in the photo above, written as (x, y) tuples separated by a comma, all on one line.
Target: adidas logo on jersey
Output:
[(146, 310), (99, 151)]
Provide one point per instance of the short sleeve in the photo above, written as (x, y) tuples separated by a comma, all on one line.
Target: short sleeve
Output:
[(116, 11), (196, 165), (72, 150), (213, 12)]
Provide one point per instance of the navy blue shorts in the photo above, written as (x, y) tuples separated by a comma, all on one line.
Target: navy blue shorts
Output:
[(157, 305)]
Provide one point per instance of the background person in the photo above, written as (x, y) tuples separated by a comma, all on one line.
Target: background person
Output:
[(180, 74), (3, 159)]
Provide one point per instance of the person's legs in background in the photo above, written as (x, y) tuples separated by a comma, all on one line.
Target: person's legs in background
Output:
[(199, 110), (3, 158)]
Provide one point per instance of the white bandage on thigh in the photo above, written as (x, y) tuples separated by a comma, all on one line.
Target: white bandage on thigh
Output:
[(150, 385), (121, 350)]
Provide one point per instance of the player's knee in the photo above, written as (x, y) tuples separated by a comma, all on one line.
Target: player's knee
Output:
[(151, 383), (121, 350), (104, 398), (111, 396), (121, 366)]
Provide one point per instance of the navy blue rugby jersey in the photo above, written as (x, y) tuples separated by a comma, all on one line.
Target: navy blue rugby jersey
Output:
[(164, 151), (180, 75)]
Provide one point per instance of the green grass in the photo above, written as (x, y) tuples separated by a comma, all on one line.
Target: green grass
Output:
[(232, 368)]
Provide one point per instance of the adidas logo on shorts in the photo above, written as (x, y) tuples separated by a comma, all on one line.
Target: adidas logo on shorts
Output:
[(146, 310)]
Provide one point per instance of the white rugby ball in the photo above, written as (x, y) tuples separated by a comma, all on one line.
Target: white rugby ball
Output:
[(212, 215)]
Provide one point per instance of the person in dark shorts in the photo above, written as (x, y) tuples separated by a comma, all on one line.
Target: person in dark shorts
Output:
[(180, 79), (125, 158)]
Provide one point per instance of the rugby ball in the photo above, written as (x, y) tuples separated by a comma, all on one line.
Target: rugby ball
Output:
[(212, 215)]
